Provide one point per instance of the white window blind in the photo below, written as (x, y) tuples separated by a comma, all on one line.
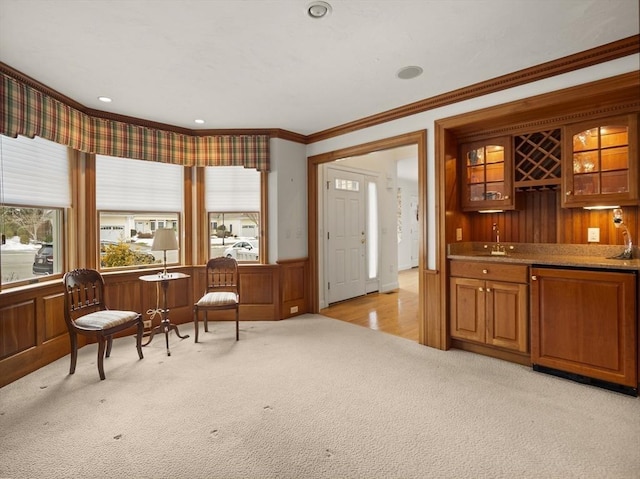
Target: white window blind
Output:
[(123, 184), (232, 189), (34, 172)]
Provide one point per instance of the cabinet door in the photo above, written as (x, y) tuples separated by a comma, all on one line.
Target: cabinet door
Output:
[(598, 162), (584, 322), (507, 315), (467, 319), (487, 174)]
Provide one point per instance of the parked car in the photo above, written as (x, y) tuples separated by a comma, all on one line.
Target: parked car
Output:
[(43, 261), (242, 250)]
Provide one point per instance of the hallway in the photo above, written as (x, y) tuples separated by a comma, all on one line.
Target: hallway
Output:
[(395, 312)]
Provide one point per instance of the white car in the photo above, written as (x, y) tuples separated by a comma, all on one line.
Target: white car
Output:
[(243, 251)]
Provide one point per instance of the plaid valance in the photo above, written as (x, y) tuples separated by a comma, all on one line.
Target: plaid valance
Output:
[(27, 111)]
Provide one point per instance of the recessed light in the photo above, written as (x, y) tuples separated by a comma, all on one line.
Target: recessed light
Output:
[(199, 122), (105, 99), (318, 9), (407, 73)]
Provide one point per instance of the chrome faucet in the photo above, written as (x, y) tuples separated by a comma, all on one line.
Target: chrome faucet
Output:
[(497, 248), (628, 245)]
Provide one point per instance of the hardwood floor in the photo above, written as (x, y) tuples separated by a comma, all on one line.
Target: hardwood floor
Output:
[(395, 312)]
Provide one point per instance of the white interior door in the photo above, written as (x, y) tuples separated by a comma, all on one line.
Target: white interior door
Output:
[(346, 237)]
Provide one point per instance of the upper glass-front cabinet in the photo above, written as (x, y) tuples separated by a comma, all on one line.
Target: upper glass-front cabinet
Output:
[(487, 174), (600, 162)]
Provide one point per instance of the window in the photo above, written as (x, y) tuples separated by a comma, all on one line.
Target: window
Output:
[(34, 191), (372, 229), (134, 199), (233, 206)]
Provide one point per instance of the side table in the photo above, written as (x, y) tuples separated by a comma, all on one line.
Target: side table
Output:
[(165, 324)]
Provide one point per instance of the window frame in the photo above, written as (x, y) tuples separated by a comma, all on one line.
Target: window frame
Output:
[(63, 155), (202, 214)]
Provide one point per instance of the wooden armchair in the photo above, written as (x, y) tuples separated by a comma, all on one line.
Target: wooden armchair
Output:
[(222, 293), (85, 313)]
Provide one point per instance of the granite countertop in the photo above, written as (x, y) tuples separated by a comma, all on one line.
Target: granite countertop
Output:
[(591, 256)]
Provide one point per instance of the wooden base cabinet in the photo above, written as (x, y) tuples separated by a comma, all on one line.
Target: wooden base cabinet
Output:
[(584, 322), (492, 311)]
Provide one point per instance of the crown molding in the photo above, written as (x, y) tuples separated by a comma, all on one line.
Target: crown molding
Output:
[(604, 53), (594, 56)]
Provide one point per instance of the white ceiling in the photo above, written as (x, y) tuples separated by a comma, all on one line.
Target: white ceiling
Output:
[(266, 64)]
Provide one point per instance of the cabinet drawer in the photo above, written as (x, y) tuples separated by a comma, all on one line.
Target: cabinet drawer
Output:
[(514, 273)]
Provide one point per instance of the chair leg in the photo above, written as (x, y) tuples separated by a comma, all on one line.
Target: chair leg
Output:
[(139, 338), (195, 323), (73, 337), (206, 324), (237, 325), (109, 344), (101, 342)]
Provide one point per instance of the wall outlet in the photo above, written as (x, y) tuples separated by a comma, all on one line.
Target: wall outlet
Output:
[(458, 234), (294, 309), (593, 235)]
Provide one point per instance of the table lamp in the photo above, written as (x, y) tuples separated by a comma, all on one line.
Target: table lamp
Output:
[(164, 239)]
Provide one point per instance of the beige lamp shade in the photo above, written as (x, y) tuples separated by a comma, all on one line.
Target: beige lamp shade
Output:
[(164, 239)]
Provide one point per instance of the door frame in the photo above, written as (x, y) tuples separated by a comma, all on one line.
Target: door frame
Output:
[(418, 138)]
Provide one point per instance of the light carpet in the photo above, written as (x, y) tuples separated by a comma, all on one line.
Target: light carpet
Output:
[(309, 397)]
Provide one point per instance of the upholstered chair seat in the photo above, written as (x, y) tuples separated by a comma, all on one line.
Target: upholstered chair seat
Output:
[(222, 292)]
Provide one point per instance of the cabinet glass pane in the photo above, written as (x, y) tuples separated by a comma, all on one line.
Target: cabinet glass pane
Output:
[(495, 191), (495, 172), (475, 174), (613, 136), (585, 162), (476, 192), (615, 182), (615, 158), (495, 154), (586, 140), (586, 184), (475, 157)]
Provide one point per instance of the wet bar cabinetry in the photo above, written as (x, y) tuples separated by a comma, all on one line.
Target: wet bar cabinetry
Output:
[(584, 322), (489, 304)]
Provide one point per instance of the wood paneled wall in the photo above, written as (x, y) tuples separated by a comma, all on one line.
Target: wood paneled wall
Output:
[(540, 219), (33, 332)]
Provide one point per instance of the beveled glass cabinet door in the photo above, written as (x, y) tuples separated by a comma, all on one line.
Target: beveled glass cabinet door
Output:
[(598, 166), (487, 174)]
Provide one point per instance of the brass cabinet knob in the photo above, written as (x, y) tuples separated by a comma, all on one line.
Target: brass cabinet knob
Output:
[(568, 193), (485, 271), (534, 277), (480, 289)]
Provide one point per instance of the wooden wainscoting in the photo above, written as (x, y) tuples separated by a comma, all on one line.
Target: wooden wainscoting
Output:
[(259, 292), (33, 332), (32, 329), (294, 285)]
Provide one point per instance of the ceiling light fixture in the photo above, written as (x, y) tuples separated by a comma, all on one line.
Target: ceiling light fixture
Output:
[(199, 121), (407, 73), (104, 99), (318, 9)]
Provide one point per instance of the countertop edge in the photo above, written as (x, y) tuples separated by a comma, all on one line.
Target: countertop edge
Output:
[(559, 261)]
